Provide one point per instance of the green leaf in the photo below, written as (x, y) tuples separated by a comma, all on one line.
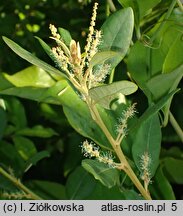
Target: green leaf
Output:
[(80, 184), (140, 8), (162, 84), (161, 189), (147, 141), (144, 62), (106, 93), (102, 56), (65, 35), (117, 33), (100, 192), (151, 110), (56, 74), (75, 109), (49, 52), (134, 5), (81, 120), (37, 131), (174, 57), (31, 76), (11, 158), (3, 123), (36, 158), (131, 195), (24, 146), (108, 176), (16, 113), (47, 190), (73, 156), (173, 152), (145, 7), (173, 169)]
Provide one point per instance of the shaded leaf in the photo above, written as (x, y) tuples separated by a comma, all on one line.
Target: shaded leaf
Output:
[(48, 190), (80, 184), (140, 8), (148, 141), (108, 176), (173, 169), (37, 131), (106, 93), (24, 146), (160, 188), (73, 153), (162, 84), (151, 110), (16, 113), (3, 123), (173, 61), (36, 158), (11, 158), (100, 192)]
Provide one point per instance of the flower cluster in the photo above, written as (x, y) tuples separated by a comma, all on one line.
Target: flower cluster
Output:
[(16, 195), (77, 65), (90, 150), (145, 172), (121, 127)]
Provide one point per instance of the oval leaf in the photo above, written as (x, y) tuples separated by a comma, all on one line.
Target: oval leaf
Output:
[(161, 188), (108, 176), (117, 34), (101, 57), (106, 93), (80, 184), (147, 141), (66, 36), (24, 146)]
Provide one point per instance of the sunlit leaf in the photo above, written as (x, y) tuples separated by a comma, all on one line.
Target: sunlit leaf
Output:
[(31, 76), (117, 33), (65, 35), (56, 74)]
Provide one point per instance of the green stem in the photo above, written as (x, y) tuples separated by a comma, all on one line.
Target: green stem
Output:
[(176, 126), (111, 77), (180, 4), (170, 9), (111, 5), (138, 33), (19, 184), (125, 165)]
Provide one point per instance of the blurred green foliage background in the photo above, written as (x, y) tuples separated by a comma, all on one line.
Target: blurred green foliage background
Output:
[(45, 126)]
